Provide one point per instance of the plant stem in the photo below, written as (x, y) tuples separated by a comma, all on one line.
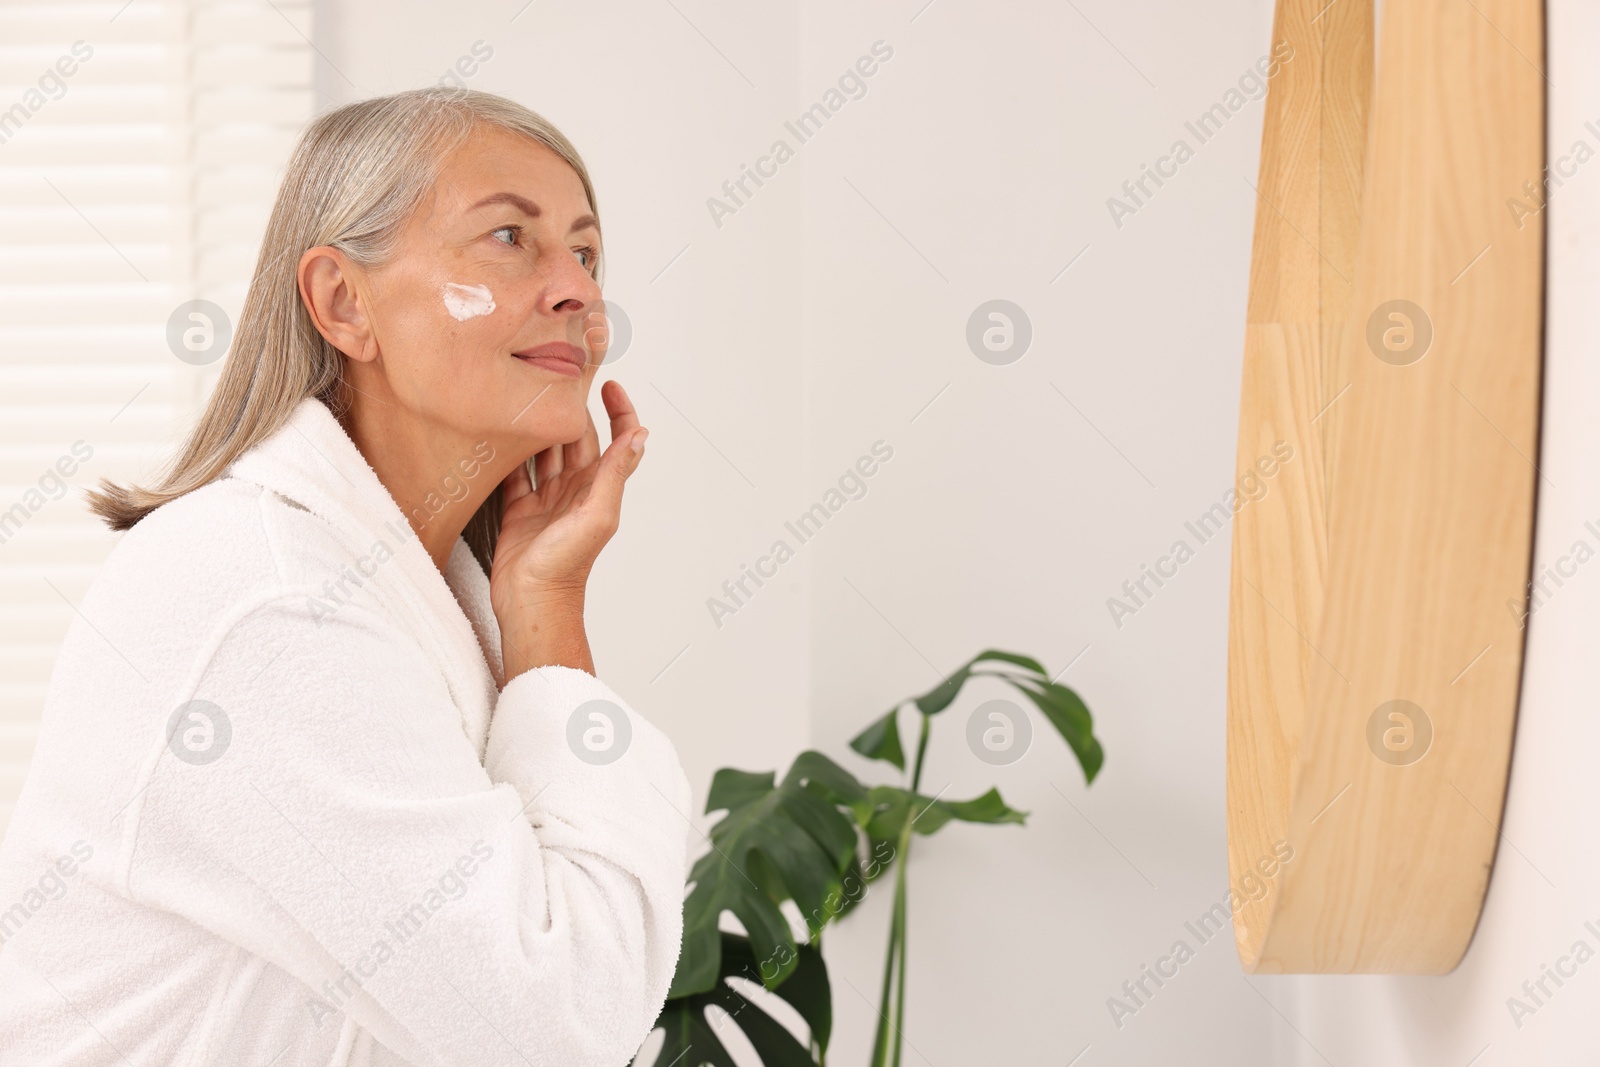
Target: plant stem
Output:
[(893, 996), (880, 1040), (922, 749), (900, 919), (900, 895)]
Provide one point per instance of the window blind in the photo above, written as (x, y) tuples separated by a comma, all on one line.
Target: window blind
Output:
[(140, 146)]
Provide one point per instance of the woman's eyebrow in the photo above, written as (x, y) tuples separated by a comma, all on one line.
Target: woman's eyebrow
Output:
[(532, 210)]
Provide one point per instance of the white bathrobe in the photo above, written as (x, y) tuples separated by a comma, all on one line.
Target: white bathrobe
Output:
[(282, 813)]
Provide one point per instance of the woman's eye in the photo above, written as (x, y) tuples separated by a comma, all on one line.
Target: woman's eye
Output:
[(586, 256), (512, 230)]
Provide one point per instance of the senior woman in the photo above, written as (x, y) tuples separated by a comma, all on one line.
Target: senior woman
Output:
[(324, 774)]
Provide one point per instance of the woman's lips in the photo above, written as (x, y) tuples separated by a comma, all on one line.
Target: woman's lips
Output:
[(557, 357)]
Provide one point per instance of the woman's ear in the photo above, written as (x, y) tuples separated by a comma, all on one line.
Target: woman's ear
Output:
[(330, 290)]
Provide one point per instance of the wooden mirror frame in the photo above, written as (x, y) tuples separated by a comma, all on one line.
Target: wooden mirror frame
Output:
[(1379, 588)]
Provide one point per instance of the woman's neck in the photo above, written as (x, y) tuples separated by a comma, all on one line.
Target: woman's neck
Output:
[(437, 475)]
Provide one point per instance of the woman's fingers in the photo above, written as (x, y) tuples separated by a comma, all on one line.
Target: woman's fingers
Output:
[(516, 485), (624, 419), (620, 407), (619, 461), (547, 464), (586, 449), (580, 453), (579, 508)]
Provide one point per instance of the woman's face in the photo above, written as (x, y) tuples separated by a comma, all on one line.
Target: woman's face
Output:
[(486, 320)]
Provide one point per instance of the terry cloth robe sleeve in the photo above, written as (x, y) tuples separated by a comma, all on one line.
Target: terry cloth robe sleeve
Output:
[(526, 909)]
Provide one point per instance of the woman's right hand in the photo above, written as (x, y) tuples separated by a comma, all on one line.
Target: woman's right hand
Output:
[(551, 534)]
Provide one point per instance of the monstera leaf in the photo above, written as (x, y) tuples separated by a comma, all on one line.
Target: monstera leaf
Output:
[(818, 838), (883, 811), (1061, 706), (693, 1039), (777, 842)]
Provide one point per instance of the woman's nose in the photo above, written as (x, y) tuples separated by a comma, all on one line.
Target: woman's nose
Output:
[(571, 286)]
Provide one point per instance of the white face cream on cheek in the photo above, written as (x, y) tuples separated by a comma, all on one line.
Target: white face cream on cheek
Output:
[(467, 301)]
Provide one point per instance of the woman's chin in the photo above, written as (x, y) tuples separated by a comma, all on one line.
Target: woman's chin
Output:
[(552, 420)]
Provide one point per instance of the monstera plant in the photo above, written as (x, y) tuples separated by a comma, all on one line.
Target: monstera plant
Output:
[(816, 840)]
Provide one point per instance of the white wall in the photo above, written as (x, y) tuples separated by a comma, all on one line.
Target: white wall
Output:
[(829, 313), (1006, 519)]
